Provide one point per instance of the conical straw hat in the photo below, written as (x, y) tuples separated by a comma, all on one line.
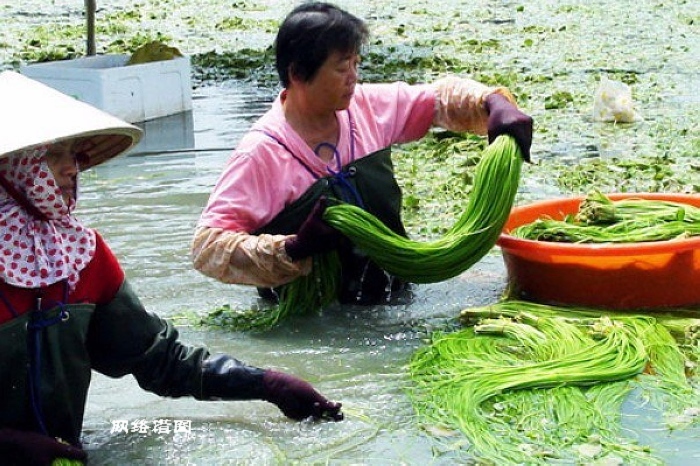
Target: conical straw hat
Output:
[(34, 114)]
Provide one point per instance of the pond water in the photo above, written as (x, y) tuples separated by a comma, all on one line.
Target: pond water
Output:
[(146, 206)]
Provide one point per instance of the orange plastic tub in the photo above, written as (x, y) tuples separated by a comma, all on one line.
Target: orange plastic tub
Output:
[(651, 275)]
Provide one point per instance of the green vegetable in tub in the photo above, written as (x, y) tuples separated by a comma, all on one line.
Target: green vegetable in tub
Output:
[(630, 220)]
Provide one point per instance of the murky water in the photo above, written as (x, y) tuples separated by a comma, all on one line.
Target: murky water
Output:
[(146, 205)]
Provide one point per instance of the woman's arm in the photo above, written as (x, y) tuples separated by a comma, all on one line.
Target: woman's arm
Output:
[(124, 338), (460, 104), (238, 257)]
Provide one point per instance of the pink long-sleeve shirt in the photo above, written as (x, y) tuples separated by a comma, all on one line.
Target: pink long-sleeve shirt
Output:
[(263, 177)]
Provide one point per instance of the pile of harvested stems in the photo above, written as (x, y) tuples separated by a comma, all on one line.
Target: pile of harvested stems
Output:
[(629, 220), (473, 235), (535, 384)]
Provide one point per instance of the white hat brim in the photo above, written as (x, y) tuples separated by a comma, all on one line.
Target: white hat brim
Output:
[(34, 114)]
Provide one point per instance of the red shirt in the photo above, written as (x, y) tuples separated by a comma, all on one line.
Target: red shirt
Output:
[(99, 283)]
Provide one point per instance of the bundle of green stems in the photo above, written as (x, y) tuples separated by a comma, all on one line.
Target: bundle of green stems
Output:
[(473, 235), (629, 220), (528, 383)]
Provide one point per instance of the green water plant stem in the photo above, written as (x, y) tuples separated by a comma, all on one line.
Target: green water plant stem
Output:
[(66, 462), (306, 294), (465, 243)]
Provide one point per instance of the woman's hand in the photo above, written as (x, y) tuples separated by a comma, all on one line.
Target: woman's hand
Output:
[(297, 399), (33, 449), (315, 236), (505, 118)]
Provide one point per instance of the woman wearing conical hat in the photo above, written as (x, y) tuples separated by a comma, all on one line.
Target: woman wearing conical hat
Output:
[(66, 307)]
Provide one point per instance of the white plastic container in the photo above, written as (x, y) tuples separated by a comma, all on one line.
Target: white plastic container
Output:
[(133, 93)]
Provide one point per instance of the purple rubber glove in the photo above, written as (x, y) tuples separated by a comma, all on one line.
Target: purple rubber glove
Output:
[(297, 399), (33, 449), (315, 236), (505, 118)]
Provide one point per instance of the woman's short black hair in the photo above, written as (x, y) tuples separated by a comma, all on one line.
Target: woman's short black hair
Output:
[(310, 33)]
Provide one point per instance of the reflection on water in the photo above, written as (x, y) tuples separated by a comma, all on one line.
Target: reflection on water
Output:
[(170, 133)]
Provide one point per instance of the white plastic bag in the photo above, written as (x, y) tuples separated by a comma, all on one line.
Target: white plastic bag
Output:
[(613, 102)]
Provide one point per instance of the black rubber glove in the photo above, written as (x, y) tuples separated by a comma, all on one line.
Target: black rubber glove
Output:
[(505, 118), (18, 447), (297, 399), (315, 236)]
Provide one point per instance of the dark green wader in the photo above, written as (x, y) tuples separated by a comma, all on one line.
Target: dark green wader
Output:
[(370, 183), (47, 358), (49, 347)]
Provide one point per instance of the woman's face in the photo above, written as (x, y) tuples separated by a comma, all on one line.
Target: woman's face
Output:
[(334, 83), (62, 162)]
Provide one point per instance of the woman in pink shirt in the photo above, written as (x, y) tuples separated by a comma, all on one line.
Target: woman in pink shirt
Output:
[(328, 137)]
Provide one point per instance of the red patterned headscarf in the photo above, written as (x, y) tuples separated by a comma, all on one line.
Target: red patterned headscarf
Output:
[(37, 252)]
